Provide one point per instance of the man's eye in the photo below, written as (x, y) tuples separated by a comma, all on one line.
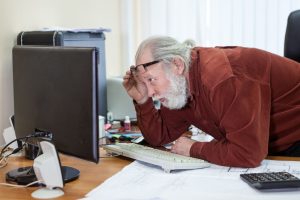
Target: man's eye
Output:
[(151, 79)]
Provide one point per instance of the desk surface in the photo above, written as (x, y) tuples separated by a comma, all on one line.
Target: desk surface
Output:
[(91, 175)]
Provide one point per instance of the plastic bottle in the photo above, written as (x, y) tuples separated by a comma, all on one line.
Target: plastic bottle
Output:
[(110, 117), (127, 124)]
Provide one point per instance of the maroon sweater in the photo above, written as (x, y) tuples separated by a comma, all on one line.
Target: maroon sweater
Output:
[(247, 99)]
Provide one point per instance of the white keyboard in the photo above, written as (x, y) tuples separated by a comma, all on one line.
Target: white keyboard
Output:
[(167, 160)]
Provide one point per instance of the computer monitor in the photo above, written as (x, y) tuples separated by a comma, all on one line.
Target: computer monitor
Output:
[(118, 101), (55, 89)]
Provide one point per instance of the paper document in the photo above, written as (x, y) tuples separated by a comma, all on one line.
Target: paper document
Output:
[(141, 181)]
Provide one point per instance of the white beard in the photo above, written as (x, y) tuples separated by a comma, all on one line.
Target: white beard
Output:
[(176, 95)]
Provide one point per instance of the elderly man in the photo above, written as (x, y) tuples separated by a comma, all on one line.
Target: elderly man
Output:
[(246, 98)]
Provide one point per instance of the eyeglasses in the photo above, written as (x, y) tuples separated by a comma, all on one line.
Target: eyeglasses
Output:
[(141, 68)]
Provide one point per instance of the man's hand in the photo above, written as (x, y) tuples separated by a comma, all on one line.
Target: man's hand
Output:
[(182, 146), (135, 88)]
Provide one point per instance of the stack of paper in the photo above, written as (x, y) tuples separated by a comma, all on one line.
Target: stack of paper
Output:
[(140, 181)]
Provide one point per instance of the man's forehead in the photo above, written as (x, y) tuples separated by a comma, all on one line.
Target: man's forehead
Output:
[(144, 57)]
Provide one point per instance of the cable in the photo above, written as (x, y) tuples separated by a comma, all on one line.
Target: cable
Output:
[(37, 134), (110, 155), (20, 186), (3, 162), (4, 158), (6, 146)]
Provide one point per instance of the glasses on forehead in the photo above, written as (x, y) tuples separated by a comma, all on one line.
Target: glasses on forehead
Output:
[(141, 68)]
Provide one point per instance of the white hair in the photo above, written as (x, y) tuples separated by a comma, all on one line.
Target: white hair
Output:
[(167, 48)]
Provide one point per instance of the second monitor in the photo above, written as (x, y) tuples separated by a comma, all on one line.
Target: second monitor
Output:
[(118, 101)]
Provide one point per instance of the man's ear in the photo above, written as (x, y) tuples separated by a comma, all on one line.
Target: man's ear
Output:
[(179, 66)]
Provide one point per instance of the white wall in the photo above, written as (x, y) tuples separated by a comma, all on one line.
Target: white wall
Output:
[(19, 15), (250, 23)]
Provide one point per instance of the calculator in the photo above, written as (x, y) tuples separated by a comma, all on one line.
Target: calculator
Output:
[(271, 180)]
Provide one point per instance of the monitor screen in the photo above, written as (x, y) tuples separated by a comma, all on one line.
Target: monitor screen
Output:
[(55, 89), (118, 101)]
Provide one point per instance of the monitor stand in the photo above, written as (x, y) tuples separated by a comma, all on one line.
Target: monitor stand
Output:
[(26, 175)]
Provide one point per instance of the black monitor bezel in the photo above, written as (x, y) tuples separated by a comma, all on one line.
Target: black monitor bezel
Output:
[(85, 146)]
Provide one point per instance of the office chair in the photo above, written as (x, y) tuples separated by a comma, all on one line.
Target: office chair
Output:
[(292, 36)]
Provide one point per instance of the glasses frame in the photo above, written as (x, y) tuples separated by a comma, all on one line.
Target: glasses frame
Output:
[(133, 68)]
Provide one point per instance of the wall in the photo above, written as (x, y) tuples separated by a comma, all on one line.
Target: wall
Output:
[(16, 16), (251, 23)]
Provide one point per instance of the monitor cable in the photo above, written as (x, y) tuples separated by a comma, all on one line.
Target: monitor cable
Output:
[(20, 186), (6, 148)]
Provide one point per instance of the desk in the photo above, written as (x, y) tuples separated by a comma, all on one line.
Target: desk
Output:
[(91, 175)]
